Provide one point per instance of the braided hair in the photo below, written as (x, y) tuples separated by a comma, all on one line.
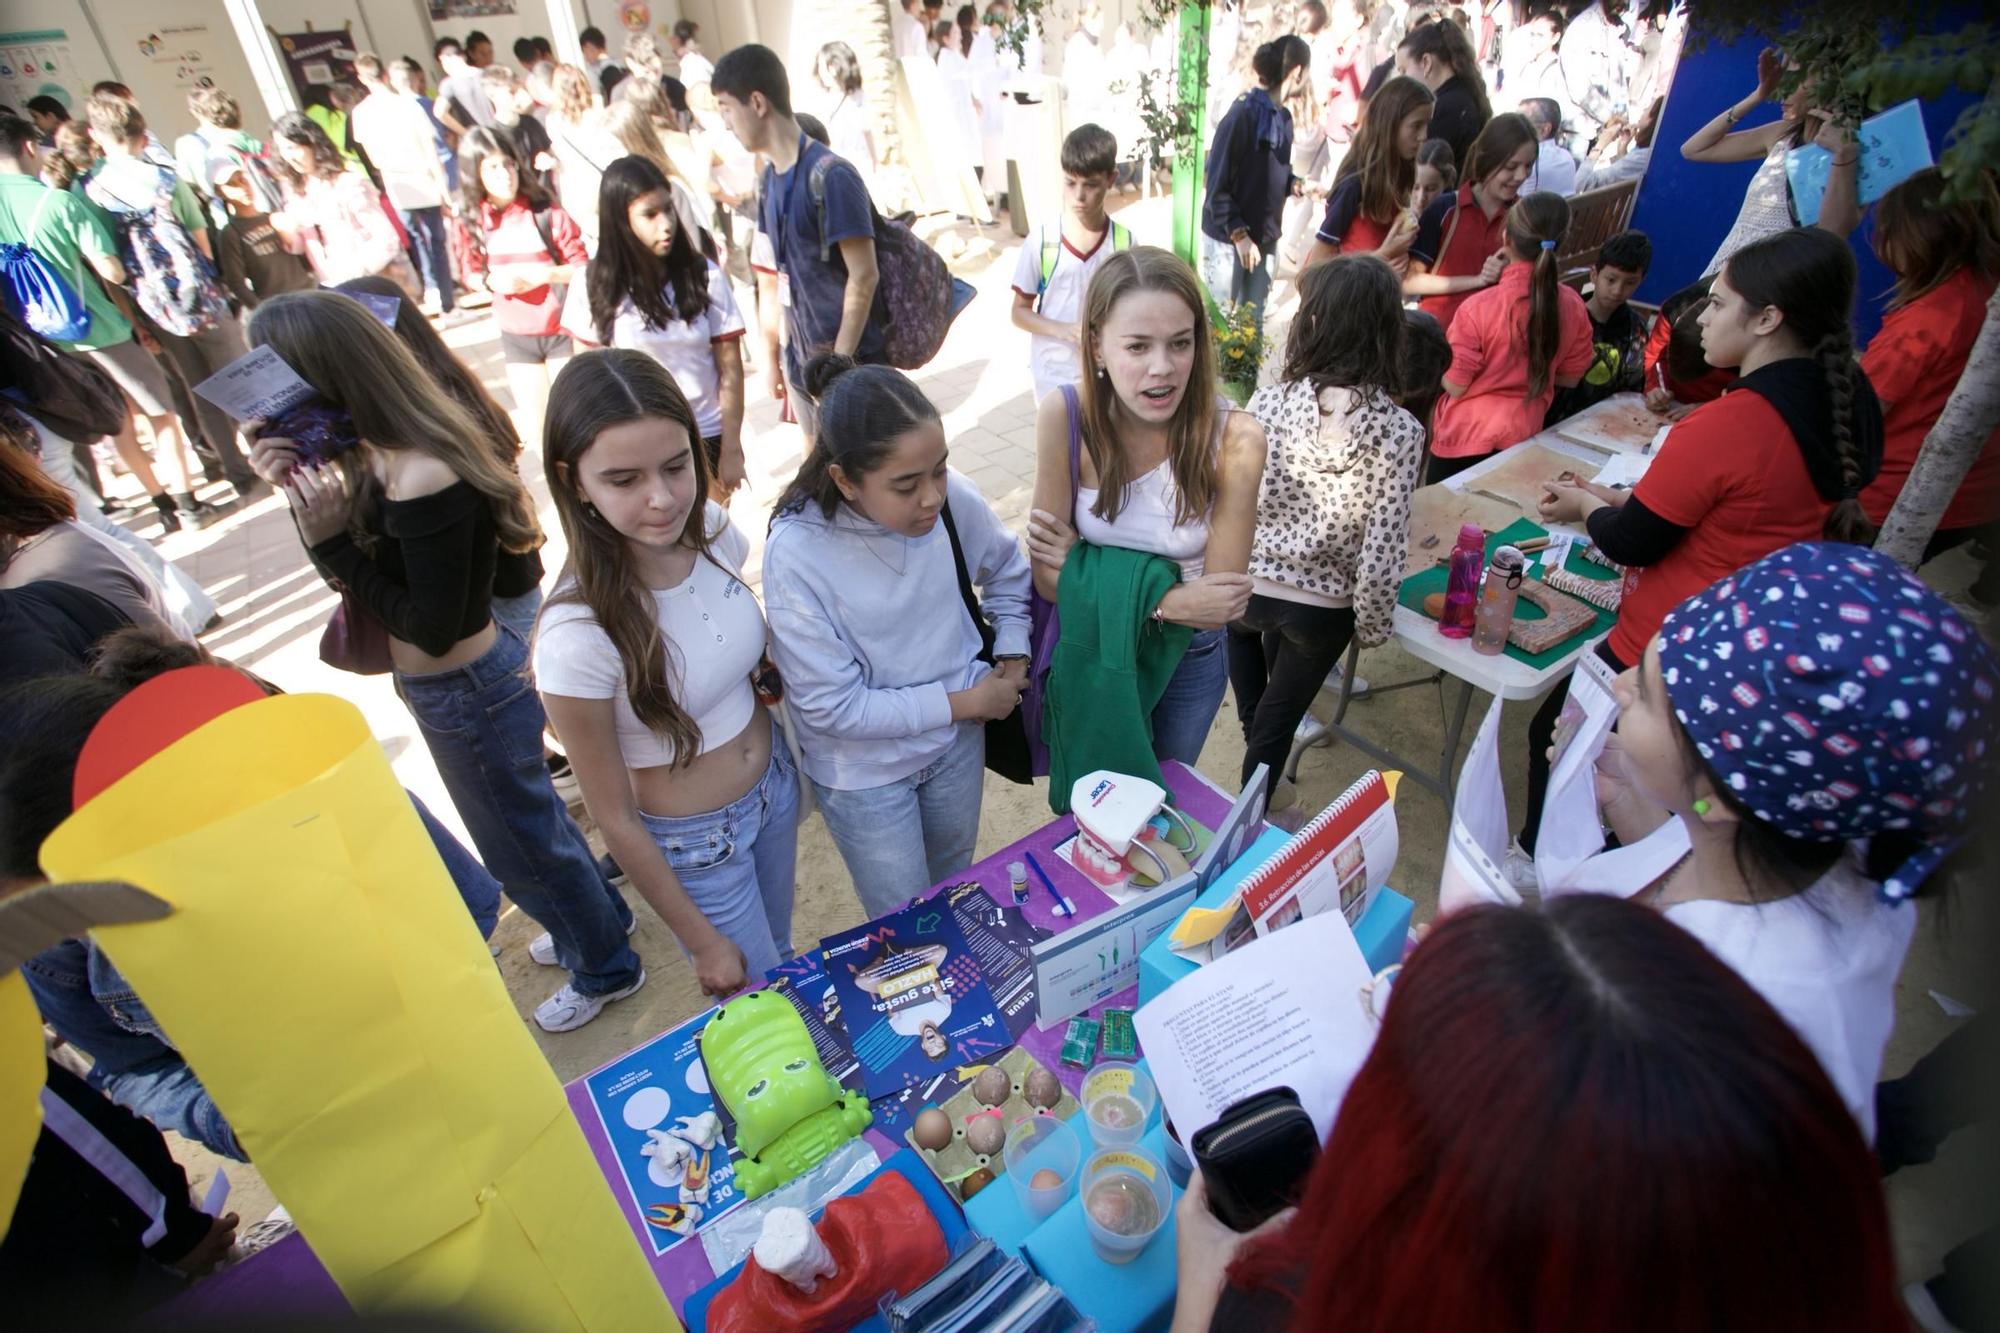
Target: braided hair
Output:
[(1809, 274)]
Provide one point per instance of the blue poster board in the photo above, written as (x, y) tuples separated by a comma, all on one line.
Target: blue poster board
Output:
[(1893, 149)]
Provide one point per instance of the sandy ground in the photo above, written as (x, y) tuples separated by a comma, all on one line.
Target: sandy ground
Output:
[(275, 609)]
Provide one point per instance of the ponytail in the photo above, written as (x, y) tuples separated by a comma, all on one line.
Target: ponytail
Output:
[(1846, 521), (1535, 229), (862, 412)]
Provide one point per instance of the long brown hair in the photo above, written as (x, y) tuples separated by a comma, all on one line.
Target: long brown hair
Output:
[(1536, 225), (1923, 240), (422, 339), (30, 500), (594, 392), (1448, 42), (1191, 432), (1387, 177), (355, 364), (1505, 135)]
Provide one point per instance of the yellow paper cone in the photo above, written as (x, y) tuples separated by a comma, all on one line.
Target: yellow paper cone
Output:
[(322, 977), (22, 1073)]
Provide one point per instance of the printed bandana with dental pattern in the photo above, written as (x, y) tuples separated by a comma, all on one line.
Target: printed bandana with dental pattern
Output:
[(1838, 697)]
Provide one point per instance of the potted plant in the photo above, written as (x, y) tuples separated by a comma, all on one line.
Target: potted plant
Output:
[(1239, 350)]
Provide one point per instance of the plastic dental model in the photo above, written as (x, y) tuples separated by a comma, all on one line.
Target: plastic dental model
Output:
[(792, 1250), (1605, 594)]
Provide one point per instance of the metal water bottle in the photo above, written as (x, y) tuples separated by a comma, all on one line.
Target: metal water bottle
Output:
[(1496, 604), (1461, 590)]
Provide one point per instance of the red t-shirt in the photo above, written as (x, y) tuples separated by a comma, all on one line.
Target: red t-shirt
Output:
[(1455, 238), (1345, 224), (1489, 355), (1731, 473), (1914, 363), (1704, 390)]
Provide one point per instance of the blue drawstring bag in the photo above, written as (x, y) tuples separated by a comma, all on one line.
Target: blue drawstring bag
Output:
[(40, 296)]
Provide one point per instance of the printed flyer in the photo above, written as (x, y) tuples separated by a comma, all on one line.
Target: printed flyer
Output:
[(913, 997), (663, 1126)]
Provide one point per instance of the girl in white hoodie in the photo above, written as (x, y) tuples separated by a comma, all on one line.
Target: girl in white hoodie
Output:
[(876, 644)]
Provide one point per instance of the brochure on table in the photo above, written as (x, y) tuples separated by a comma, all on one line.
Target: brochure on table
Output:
[(912, 997), (1339, 861), (1095, 960), (1285, 1010), (660, 1120)]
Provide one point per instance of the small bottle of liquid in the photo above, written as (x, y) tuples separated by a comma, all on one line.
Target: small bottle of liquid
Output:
[(1496, 603), (1461, 592), (1017, 880)]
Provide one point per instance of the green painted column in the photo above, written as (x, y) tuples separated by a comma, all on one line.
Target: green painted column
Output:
[(1191, 90)]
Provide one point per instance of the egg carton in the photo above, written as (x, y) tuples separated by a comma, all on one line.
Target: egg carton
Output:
[(956, 1160)]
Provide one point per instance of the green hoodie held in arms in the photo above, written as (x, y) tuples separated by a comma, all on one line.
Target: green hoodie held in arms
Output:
[(1111, 665)]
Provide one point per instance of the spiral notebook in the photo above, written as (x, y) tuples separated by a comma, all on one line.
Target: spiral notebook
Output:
[(1338, 862)]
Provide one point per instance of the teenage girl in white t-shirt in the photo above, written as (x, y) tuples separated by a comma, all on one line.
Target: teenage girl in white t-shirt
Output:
[(645, 656), (1825, 727), (1162, 467), (651, 290)]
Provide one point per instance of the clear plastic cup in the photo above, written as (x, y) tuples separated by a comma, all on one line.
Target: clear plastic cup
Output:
[(1038, 1147), (1118, 1100), (1126, 1200)]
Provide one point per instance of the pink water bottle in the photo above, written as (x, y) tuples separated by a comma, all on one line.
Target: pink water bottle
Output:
[(1461, 592), (1496, 602)]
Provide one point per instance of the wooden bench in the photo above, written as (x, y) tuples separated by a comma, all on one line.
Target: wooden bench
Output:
[(1594, 218)]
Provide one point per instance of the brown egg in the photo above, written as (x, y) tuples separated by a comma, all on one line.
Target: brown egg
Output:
[(932, 1130), (1042, 1089), (1045, 1179), (974, 1183), (993, 1086), (985, 1135)]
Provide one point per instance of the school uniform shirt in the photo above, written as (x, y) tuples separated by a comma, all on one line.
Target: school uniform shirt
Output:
[(512, 238), (1732, 474), (1615, 364), (1827, 960), (1914, 363), (347, 231), (1249, 171), (1489, 355), (1658, 375), (811, 289), (685, 347), (395, 132), (1454, 239), (1345, 225), (1052, 361), (1456, 118)]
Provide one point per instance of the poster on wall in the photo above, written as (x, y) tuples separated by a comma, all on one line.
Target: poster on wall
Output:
[(37, 64), (469, 9), (636, 15), (181, 54), (317, 57)]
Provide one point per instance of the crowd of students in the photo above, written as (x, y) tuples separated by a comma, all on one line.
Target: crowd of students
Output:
[(1190, 546)]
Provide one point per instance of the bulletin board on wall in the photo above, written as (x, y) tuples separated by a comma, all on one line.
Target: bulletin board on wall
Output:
[(316, 58), (38, 63), (163, 49)]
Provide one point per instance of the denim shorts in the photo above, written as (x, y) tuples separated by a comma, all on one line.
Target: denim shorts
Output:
[(739, 864)]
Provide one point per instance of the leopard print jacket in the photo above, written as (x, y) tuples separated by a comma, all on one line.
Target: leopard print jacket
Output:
[(1333, 516)]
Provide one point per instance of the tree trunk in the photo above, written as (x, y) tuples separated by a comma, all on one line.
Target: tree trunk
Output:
[(1969, 419)]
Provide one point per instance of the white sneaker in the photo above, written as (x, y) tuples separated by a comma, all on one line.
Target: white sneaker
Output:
[(564, 779), (542, 948), (1520, 869), (566, 1010), (1333, 683), (1309, 730)]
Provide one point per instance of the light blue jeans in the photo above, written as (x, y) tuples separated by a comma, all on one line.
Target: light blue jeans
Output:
[(1186, 712), (739, 864), (904, 836), (1229, 283)]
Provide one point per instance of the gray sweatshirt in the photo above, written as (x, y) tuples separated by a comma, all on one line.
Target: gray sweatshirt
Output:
[(871, 634)]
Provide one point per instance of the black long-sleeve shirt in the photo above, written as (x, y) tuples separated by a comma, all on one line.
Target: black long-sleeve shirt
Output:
[(1632, 534)]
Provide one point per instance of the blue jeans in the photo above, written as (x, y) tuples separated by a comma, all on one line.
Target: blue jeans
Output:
[(429, 250), (738, 864), (480, 890), (904, 836), (518, 613), (1182, 718), (1229, 282), (483, 724)]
